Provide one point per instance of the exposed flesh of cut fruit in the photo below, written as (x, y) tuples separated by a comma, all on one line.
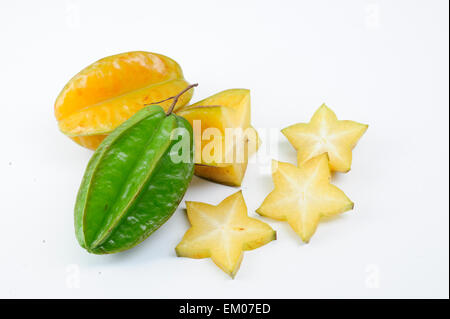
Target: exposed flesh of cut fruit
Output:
[(222, 113), (227, 163), (325, 134), (303, 195), (231, 175), (237, 99), (223, 232)]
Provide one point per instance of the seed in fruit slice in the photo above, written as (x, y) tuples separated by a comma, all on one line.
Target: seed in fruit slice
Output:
[(303, 195), (223, 232), (326, 134), (108, 92)]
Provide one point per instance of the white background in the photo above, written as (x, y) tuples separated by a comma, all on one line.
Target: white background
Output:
[(384, 63)]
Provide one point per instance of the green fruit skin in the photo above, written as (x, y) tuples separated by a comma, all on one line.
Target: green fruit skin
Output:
[(131, 186)]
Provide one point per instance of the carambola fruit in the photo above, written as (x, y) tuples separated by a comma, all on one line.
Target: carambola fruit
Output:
[(325, 134), (108, 92), (303, 195), (134, 181), (223, 232), (229, 109)]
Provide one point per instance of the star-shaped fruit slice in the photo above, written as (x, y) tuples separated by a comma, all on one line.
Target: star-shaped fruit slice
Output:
[(303, 195), (325, 134), (223, 232)]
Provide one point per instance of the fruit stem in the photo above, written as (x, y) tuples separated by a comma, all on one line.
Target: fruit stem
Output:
[(175, 98)]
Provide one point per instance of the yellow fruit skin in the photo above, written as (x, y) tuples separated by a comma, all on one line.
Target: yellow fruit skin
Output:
[(90, 142), (231, 175), (325, 134), (237, 99), (223, 232), (302, 195), (106, 93)]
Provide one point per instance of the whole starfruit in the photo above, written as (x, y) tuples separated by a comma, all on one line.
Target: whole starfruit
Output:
[(134, 181), (106, 93)]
